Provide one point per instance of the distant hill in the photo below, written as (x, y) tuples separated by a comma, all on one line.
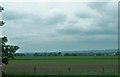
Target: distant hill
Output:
[(94, 51)]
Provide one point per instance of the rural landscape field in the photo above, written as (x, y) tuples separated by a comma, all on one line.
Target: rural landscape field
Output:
[(63, 65), (59, 38)]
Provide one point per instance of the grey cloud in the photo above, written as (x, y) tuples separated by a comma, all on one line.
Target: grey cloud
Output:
[(107, 8), (10, 15), (93, 31), (56, 19), (106, 22), (14, 15), (98, 5), (84, 15), (73, 21), (69, 31), (103, 31), (27, 18)]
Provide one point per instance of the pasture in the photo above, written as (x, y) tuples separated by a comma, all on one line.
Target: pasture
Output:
[(62, 65)]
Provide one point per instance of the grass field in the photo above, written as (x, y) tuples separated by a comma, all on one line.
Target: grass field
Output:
[(62, 65)]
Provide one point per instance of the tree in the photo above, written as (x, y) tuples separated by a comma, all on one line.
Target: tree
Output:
[(59, 53), (36, 54), (7, 50)]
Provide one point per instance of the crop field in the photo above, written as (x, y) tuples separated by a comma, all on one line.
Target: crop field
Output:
[(62, 65)]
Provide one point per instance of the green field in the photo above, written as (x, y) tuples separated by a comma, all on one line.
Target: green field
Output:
[(55, 65), (66, 58)]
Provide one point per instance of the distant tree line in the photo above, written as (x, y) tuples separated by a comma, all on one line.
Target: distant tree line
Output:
[(68, 54)]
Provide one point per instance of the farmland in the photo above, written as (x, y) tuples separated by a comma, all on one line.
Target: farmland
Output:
[(62, 65)]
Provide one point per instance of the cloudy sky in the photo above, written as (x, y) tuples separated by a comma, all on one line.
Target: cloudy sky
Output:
[(56, 26)]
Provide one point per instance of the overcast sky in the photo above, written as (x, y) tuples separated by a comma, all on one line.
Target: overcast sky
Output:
[(56, 26)]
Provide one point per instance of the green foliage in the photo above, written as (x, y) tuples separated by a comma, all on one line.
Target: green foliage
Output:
[(7, 50)]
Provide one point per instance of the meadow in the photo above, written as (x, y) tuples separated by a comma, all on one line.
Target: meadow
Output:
[(62, 65)]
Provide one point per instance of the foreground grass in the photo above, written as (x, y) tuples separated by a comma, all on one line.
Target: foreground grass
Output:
[(68, 73), (83, 74), (66, 61), (61, 76)]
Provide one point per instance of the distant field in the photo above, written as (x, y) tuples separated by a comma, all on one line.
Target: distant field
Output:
[(66, 58), (63, 65)]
